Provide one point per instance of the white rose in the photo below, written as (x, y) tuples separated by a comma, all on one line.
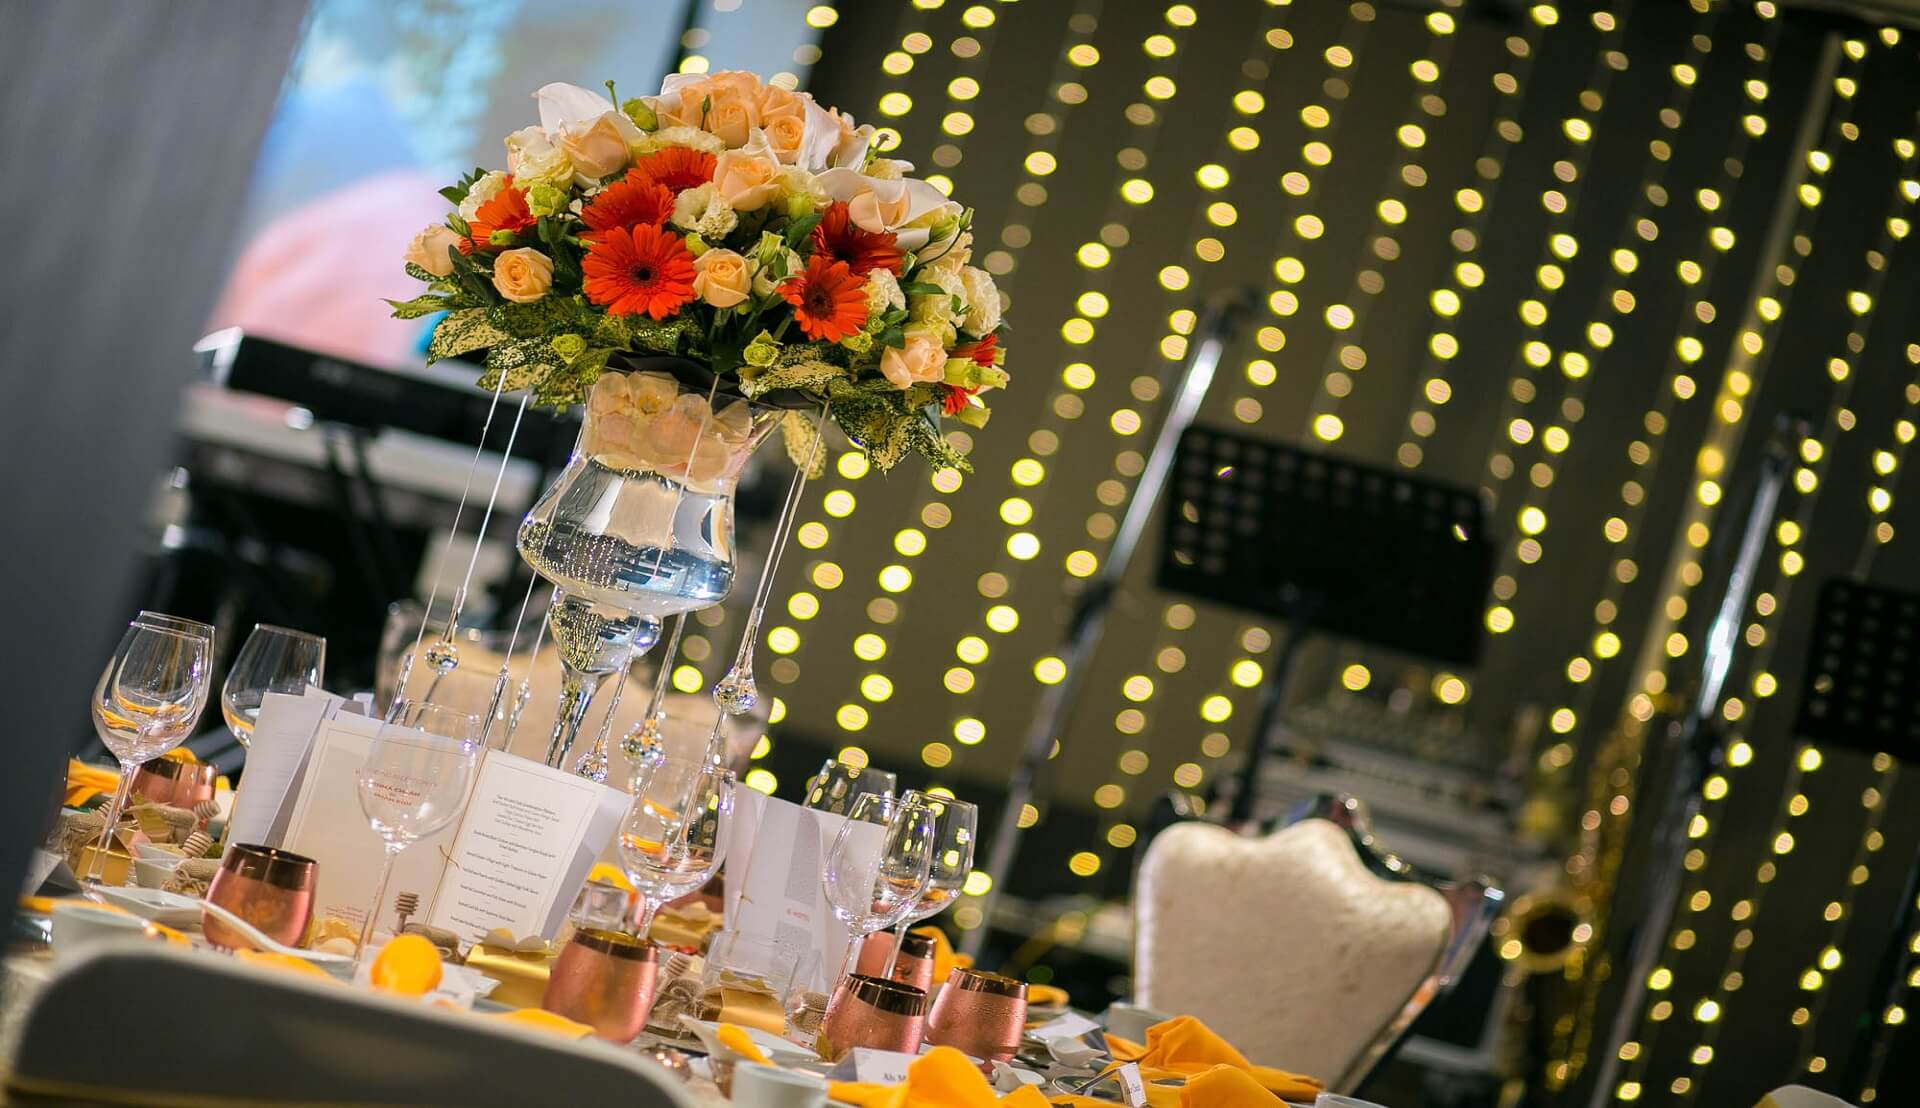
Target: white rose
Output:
[(983, 301), (908, 207), (428, 250), (481, 191), (534, 159), (883, 292), (697, 209)]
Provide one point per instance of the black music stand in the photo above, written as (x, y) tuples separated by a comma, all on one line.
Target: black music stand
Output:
[(1328, 546), (1859, 693)]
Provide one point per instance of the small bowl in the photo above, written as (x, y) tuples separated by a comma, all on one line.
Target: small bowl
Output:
[(152, 873), (79, 926)]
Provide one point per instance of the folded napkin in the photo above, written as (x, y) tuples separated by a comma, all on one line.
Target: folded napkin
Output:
[(944, 958), (520, 965), (737, 1040), (84, 782), (941, 1078), (1185, 1047), (1047, 996), (611, 874), (1219, 1087)]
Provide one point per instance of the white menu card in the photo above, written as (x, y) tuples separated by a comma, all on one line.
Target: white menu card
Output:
[(775, 888), (514, 859)]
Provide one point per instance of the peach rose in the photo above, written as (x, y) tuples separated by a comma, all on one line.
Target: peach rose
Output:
[(785, 135), (599, 150), (721, 278), (428, 250), (775, 102), (727, 104), (748, 178), (921, 360), (523, 275)]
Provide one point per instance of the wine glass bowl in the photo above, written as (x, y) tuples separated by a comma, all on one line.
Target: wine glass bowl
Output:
[(877, 868), (673, 838), (272, 660), (147, 701), (418, 772)]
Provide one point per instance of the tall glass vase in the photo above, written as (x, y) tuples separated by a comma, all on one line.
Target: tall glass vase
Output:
[(640, 524)]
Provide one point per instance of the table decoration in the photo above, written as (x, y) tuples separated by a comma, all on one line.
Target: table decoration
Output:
[(942, 1078), (522, 966), (175, 782), (272, 890), (604, 979), (871, 1012), (698, 267)]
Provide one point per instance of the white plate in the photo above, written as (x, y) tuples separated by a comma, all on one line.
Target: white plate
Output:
[(773, 1046), (157, 905)]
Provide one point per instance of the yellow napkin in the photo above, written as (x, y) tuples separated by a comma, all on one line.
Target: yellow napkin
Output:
[(610, 874), (84, 782), (1047, 996), (945, 961), (941, 1078), (1185, 1047), (542, 1020), (737, 1040)]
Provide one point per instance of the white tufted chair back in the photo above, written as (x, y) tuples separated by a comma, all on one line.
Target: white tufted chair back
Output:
[(1289, 945)]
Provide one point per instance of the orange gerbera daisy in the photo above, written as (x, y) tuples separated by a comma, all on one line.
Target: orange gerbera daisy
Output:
[(676, 167), (505, 211), (628, 202), (864, 251), (829, 302), (982, 352), (638, 270)]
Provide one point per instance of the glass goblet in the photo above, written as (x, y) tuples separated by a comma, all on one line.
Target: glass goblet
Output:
[(273, 660), (673, 839), (147, 701), (954, 827), (418, 773), (878, 865)]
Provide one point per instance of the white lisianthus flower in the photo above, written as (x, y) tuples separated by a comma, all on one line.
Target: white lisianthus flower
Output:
[(947, 254), (883, 292), (481, 191), (699, 210), (764, 281), (692, 138), (535, 159), (983, 302)]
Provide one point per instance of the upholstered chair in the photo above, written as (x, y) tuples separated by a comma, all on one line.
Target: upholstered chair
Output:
[(1304, 947)]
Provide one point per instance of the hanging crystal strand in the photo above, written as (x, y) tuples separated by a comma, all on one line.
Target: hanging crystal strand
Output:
[(446, 548), (593, 764), (736, 694), (505, 676), (642, 740)]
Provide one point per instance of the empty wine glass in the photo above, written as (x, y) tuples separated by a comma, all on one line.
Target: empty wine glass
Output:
[(273, 660), (674, 836), (954, 823), (147, 700), (416, 778), (878, 865)]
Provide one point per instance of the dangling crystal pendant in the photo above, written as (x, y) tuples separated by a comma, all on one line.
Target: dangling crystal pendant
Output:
[(642, 740), (736, 694)]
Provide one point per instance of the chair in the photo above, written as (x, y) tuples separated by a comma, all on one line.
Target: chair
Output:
[(1307, 947)]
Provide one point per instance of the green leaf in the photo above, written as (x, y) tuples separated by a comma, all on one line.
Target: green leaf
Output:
[(423, 305), (665, 338), (612, 331), (463, 332), (519, 363), (892, 336), (473, 280), (801, 228), (539, 319), (418, 274), (804, 446), (560, 247)]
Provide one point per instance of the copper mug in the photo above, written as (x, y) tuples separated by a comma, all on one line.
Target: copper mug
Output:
[(979, 1014), (606, 980), (871, 1012), (270, 889), (914, 966), (174, 783)]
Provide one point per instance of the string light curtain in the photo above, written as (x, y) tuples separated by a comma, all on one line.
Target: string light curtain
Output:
[(1574, 254)]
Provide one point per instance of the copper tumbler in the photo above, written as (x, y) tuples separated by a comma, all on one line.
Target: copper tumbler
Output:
[(871, 1012), (979, 1014), (914, 967), (606, 980), (270, 889), (175, 784)]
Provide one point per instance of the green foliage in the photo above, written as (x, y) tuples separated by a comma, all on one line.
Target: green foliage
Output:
[(803, 443), (520, 363), (463, 332)]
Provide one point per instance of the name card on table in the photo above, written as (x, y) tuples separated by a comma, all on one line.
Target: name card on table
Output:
[(514, 859), (774, 885), (873, 1067), (1070, 1025), (1133, 1090)]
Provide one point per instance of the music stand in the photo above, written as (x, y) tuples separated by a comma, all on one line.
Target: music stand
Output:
[(1327, 546), (1863, 663)]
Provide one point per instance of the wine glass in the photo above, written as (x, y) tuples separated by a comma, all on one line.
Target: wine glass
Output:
[(273, 660), (416, 778), (954, 823), (147, 700), (674, 836), (878, 866)]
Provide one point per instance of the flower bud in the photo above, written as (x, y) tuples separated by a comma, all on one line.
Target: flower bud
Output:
[(973, 416), (545, 200), (568, 346), (696, 245), (501, 238), (642, 115)]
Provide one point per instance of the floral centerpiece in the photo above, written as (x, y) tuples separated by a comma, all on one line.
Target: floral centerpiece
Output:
[(733, 223)]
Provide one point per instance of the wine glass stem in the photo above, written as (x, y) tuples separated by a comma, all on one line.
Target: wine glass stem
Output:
[(899, 940), (379, 898), (115, 807), (853, 955), (645, 907)]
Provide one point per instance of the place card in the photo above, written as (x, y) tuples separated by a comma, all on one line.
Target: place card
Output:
[(1069, 1025), (873, 1067), (1133, 1090)]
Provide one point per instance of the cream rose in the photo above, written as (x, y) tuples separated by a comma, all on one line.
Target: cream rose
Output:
[(600, 150), (921, 360), (428, 250), (775, 102), (983, 301), (721, 278), (785, 135), (481, 191), (747, 178), (908, 207), (523, 275)]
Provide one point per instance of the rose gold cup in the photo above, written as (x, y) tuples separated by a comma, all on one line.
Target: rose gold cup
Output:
[(915, 966), (871, 1012), (979, 1014), (604, 979), (270, 889), (176, 784)]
